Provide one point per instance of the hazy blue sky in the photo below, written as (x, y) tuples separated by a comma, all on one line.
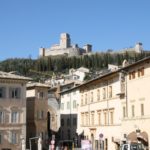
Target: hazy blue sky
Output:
[(27, 25)]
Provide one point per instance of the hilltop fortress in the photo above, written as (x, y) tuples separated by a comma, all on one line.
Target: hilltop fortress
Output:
[(65, 48)]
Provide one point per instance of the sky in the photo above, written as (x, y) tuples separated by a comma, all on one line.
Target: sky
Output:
[(27, 25)]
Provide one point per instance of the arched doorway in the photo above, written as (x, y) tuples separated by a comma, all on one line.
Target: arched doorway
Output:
[(139, 136)]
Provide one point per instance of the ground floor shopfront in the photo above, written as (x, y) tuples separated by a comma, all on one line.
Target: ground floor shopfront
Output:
[(104, 137), (112, 137), (137, 130)]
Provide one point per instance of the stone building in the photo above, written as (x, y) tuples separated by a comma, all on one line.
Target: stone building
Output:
[(65, 48), (37, 108), (12, 110), (53, 113)]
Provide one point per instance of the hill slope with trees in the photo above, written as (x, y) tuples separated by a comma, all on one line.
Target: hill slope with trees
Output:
[(46, 66)]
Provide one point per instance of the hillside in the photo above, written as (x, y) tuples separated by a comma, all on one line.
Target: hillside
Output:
[(46, 66)]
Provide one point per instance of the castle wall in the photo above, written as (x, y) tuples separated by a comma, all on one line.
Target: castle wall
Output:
[(64, 47)]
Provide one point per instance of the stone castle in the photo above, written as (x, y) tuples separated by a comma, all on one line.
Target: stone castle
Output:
[(65, 48)]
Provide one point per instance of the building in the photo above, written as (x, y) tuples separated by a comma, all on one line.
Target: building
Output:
[(53, 113), (138, 48), (65, 48), (114, 107), (68, 114), (99, 117), (135, 106), (77, 74), (12, 111), (37, 109)]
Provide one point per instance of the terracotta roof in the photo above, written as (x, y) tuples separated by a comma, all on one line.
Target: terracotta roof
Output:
[(6, 75)]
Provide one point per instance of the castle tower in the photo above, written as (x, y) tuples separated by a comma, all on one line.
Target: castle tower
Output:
[(138, 47), (88, 48), (65, 40), (41, 52)]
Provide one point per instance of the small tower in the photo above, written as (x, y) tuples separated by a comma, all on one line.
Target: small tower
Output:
[(65, 41), (138, 47), (42, 52), (87, 48)]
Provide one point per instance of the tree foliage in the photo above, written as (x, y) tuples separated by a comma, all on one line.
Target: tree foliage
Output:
[(61, 64)]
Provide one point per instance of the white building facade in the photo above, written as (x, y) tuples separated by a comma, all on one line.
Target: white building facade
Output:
[(68, 113), (99, 117), (135, 107), (114, 108)]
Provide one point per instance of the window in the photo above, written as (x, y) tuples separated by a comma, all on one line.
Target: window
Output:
[(68, 122), (92, 118), (15, 93), (69, 135), (2, 92), (82, 118), (124, 112), (142, 109), (99, 118), (41, 94), (87, 118), (111, 117), (81, 100), (1, 137), (91, 96), (133, 75), (14, 117), (1, 117), (13, 137), (74, 121), (130, 76), (104, 93), (74, 104), (110, 91), (98, 95), (68, 105), (62, 122), (42, 114), (141, 72), (105, 118), (85, 99), (132, 108)]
